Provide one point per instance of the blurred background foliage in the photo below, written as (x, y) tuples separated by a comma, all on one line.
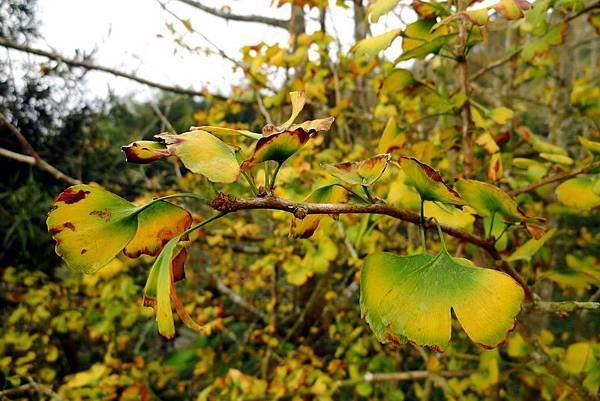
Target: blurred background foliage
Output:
[(283, 315)]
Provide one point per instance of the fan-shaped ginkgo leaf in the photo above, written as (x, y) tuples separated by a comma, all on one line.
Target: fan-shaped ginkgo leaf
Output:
[(372, 46), (203, 153), (143, 152), (305, 228), (157, 224), (91, 226), (397, 80), (378, 8), (488, 199), (428, 182), (410, 298), (364, 172), (580, 193), (392, 138)]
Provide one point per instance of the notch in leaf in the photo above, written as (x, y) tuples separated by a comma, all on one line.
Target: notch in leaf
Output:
[(92, 225), (410, 298), (428, 182), (364, 172)]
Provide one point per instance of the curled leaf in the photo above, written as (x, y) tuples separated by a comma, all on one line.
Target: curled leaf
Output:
[(392, 138), (227, 131), (143, 152), (428, 182), (205, 154), (410, 298), (592, 146)]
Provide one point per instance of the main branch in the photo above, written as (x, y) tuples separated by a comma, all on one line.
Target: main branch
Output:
[(228, 204)]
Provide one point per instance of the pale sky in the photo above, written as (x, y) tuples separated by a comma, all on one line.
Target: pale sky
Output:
[(125, 36)]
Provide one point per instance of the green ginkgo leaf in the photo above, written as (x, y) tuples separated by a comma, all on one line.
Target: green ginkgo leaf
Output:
[(580, 193), (203, 153), (364, 172), (531, 247), (488, 200), (91, 226), (430, 47), (305, 228), (410, 298), (428, 182)]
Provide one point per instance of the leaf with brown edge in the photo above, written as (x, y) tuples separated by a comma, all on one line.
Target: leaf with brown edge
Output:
[(157, 224), (143, 152), (305, 228), (227, 131), (410, 299), (277, 147), (398, 79), (312, 126), (428, 182), (510, 9), (203, 153), (364, 172), (91, 226)]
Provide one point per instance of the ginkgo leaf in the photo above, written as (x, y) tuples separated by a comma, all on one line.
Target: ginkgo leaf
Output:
[(380, 7), (538, 47), (227, 131), (372, 46), (580, 193), (364, 172), (560, 159), (538, 143), (157, 224), (157, 292), (91, 226), (430, 47), (392, 138), (143, 152), (298, 100), (531, 247), (398, 80), (501, 115), (305, 228), (410, 298), (280, 146), (592, 146), (205, 154), (428, 182), (487, 142), (509, 9), (488, 200)]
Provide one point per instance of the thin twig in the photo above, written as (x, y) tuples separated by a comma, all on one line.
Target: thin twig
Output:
[(553, 178), (88, 65), (275, 22)]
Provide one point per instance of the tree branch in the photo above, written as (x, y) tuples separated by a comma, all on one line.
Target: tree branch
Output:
[(565, 306), (553, 178), (279, 23), (224, 203), (34, 159), (87, 65)]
